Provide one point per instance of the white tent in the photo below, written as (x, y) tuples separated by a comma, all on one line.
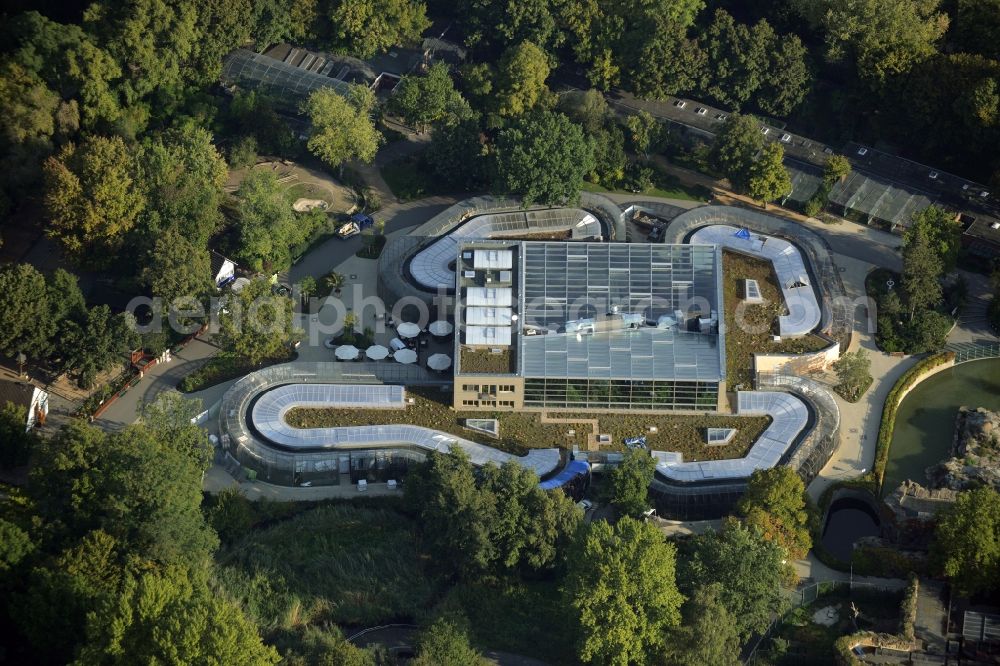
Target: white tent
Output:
[(347, 352), (439, 362), (405, 356), (376, 352), (441, 328), (408, 330)]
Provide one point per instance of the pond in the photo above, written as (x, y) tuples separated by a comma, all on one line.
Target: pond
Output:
[(847, 520), (925, 421)]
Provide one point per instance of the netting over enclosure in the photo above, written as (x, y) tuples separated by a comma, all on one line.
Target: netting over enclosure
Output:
[(285, 82)]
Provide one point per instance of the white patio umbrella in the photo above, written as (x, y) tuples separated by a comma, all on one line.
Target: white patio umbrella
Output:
[(441, 328), (405, 356), (376, 352), (439, 362), (408, 330), (347, 352)]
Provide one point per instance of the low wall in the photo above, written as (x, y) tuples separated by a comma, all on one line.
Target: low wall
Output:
[(797, 364)]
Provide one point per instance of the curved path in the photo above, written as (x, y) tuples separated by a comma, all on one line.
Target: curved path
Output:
[(254, 431)]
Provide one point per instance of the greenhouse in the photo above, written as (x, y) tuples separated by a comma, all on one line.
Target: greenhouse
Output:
[(287, 83)]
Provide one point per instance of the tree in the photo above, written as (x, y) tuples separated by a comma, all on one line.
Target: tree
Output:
[(16, 445), (977, 24), (922, 268), (443, 643), (521, 79), (738, 58), (171, 419), (182, 173), (543, 157), (643, 131), (735, 149), (775, 503), (609, 157), (630, 482), (257, 325), (708, 636), (443, 490), (92, 198), (162, 616), (588, 108), (854, 373), (748, 567), (769, 179), (178, 271), (267, 226), (342, 128), (15, 545), (97, 343), (457, 155), (422, 100), (943, 231), (780, 95), (966, 544), (837, 168), (334, 281), (532, 527), (494, 25), (883, 38), (26, 323), (364, 28), (622, 589)]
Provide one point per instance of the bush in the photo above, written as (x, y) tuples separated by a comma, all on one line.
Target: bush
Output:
[(243, 152)]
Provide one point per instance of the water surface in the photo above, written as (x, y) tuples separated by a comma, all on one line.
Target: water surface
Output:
[(925, 421)]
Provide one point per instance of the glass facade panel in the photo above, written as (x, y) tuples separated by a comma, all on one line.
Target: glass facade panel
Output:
[(620, 394)]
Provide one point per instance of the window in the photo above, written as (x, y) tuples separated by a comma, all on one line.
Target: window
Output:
[(862, 151), (679, 103), (701, 110), (765, 130), (470, 403), (471, 387), (506, 388)]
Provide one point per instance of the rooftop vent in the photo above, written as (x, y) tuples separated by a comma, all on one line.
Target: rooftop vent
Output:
[(720, 116), (995, 226), (765, 130), (984, 194), (679, 103), (862, 151), (701, 110), (933, 175), (965, 187), (787, 138)]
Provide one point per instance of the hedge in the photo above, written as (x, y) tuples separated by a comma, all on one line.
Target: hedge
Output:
[(908, 609), (886, 427)]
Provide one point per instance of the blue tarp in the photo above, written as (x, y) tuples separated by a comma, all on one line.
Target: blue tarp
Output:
[(743, 233), (571, 471), (362, 220)]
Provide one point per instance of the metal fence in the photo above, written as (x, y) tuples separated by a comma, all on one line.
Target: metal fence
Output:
[(973, 351)]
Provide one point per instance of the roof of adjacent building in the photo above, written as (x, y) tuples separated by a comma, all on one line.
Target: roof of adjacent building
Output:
[(18, 393), (566, 282)]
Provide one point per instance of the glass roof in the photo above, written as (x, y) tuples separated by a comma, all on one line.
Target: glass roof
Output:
[(255, 71)]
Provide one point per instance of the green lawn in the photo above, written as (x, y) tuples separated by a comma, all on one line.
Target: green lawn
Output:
[(520, 431), (760, 322), (343, 564)]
